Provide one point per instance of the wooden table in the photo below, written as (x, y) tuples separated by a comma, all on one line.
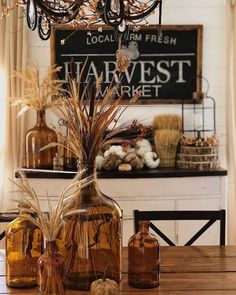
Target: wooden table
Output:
[(205, 270)]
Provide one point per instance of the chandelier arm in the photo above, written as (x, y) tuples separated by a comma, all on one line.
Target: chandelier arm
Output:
[(56, 14), (118, 19), (160, 12), (132, 17)]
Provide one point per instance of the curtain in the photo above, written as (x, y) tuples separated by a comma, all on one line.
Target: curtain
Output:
[(13, 52), (231, 118)]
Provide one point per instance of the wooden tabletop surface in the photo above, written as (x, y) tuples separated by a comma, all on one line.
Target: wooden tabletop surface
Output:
[(205, 270)]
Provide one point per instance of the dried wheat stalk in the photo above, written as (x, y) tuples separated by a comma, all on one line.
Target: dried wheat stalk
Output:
[(38, 94), (50, 222), (167, 121), (166, 142)]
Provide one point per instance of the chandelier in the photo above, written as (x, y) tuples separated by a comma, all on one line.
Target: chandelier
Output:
[(119, 14)]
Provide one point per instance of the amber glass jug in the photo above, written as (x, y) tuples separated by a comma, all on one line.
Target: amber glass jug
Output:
[(36, 138), (90, 241), (24, 245), (143, 258)]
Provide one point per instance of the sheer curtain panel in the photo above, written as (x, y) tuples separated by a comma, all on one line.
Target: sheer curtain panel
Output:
[(231, 119), (13, 52)]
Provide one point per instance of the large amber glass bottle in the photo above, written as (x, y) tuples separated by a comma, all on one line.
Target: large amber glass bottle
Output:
[(92, 239), (24, 245), (36, 138), (143, 258), (51, 271)]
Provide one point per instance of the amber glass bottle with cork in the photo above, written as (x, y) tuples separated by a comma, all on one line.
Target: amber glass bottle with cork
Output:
[(143, 258)]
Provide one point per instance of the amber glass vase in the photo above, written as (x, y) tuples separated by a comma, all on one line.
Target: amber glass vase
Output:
[(24, 245), (143, 258), (36, 138), (51, 271), (91, 239)]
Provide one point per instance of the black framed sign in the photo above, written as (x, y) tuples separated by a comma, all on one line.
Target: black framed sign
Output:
[(166, 65)]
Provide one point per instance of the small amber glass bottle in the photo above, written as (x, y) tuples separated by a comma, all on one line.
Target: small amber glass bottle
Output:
[(143, 258), (24, 245), (51, 271)]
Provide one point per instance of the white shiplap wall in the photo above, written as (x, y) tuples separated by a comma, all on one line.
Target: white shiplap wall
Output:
[(210, 13)]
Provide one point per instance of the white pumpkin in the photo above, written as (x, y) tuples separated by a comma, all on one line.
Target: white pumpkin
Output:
[(104, 287)]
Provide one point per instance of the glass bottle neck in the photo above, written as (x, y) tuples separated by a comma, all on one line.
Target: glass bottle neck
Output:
[(144, 226), (41, 118), (91, 170), (23, 210), (51, 247)]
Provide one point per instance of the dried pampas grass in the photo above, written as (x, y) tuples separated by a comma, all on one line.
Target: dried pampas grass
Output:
[(168, 121), (50, 222), (38, 93)]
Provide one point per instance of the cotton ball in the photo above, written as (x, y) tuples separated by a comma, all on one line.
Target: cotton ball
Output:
[(143, 146), (99, 162), (115, 149)]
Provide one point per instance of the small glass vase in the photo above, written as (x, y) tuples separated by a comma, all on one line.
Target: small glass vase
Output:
[(51, 267), (24, 245), (36, 138), (91, 240), (143, 258)]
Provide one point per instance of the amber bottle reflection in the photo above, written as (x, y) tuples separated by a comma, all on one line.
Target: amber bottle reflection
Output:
[(24, 245), (70, 161), (36, 138), (143, 258), (51, 271)]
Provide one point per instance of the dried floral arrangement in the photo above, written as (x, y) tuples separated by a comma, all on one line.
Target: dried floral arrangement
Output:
[(143, 131), (88, 117), (87, 113), (136, 131), (38, 93), (207, 141), (51, 222)]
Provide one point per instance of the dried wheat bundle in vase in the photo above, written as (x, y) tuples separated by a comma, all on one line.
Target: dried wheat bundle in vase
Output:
[(51, 265), (167, 121), (166, 142)]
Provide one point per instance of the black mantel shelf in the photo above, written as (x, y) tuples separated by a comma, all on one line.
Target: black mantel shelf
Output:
[(153, 173)]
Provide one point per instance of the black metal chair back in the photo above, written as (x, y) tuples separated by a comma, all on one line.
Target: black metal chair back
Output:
[(211, 216), (6, 217)]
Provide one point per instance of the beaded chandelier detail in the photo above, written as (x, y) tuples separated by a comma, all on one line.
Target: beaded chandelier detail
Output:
[(118, 14)]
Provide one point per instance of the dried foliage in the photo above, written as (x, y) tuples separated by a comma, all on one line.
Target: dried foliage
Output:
[(50, 222), (208, 141), (87, 117), (38, 94)]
